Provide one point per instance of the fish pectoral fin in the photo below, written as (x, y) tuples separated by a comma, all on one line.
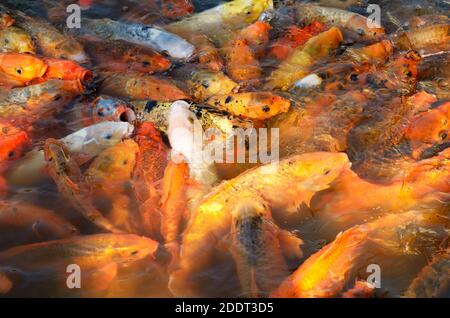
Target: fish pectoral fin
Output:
[(290, 245), (101, 278)]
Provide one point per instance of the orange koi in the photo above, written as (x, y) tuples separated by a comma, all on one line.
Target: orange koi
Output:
[(174, 204), (133, 85), (253, 105), (294, 37), (66, 70), (24, 67), (151, 161)]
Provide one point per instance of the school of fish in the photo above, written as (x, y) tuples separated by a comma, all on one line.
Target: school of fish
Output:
[(102, 170)]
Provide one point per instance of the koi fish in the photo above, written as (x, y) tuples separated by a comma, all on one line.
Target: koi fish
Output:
[(298, 64), (133, 85), (67, 176), (22, 223), (255, 105), (50, 41), (201, 84), (16, 40), (98, 256), (283, 186), (24, 67), (220, 24), (341, 18), (294, 37), (328, 272), (152, 37), (83, 144), (121, 56), (66, 70), (151, 161)]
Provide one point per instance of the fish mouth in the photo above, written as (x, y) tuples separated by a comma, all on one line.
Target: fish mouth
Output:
[(126, 115), (86, 76)]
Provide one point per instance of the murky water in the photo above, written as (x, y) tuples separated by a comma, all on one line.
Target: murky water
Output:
[(386, 108)]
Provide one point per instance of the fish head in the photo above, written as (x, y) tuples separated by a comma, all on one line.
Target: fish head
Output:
[(430, 127), (108, 133), (22, 66), (115, 163), (71, 50), (131, 247), (67, 70), (16, 40), (318, 169), (108, 108), (366, 30), (60, 162), (148, 130)]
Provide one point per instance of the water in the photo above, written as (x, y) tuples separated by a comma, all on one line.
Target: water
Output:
[(366, 109)]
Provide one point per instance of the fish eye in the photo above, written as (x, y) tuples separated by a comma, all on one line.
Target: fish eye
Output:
[(108, 136), (11, 154), (134, 252), (6, 41), (326, 172), (443, 135), (19, 71)]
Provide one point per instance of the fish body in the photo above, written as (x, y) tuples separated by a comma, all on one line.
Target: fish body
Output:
[(256, 248), (41, 99), (66, 70), (210, 118), (221, 23), (341, 18), (70, 182), (294, 37), (24, 67), (253, 105), (424, 39), (16, 40), (151, 162), (283, 186), (99, 257), (203, 84), (50, 41), (134, 85), (108, 176), (298, 64), (121, 56), (331, 270), (13, 144), (242, 64), (141, 34), (22, 223), (174, 205)]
